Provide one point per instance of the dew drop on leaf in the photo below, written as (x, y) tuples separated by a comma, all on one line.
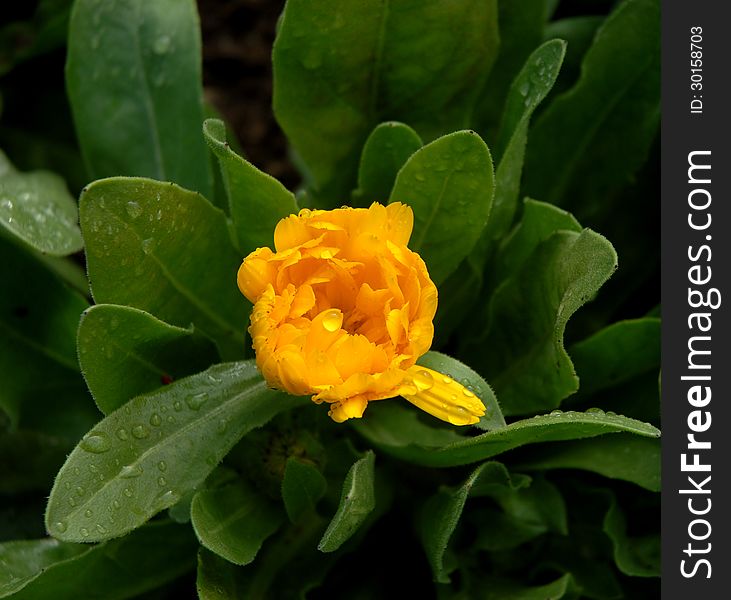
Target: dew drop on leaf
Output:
[(140, 432), (155, 420), (134, 210), (196, 401), (130, 471), (96, 443)]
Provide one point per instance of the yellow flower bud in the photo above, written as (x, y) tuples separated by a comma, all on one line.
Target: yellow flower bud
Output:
[(343, 309)]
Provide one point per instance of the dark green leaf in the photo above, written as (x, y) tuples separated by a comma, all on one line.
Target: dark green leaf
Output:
[(356, 502), (256, 201), (218, 579), (522, 353), (386, 150), (441, 512), (302, 486), (37, 208), (592, 139), (493, 418), (42, 388), (496, 588), (29, 460), (396, 430), (621, 456), (123, 568), (637, 556), (340, 68), (540, 504), (233, 521), (165, 250), (449, 185), (124, 352), (147, 455), (138, 111)]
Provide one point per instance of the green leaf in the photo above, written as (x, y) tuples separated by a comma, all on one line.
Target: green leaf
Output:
[(441, 513), (144, 560), (165, 250), (496, 588), (358, 499), (29, 460), (138, 111), (617, 354), (302, 486), (397, 431), (593, 138), (636, 556), (539, 504), (386, 150), (527, 91), (522, 353), (622, 456), (37, 208), (124, 352), (42, 388), (145, 456), (493, 418), (218, 579), (340, 68), (233, 521), (257, 201), (449, 185)]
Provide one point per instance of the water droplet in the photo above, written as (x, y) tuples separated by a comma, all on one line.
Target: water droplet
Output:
[(161, 481), (134, 210), (60, 526), (446, 380), (169, 498), (155, 420), (148, 245), (84, 532), (128, 492), (88, 513), (423, 380), (140, 432), (170, 419), (611, 413), (76, 470), (524, 88), (419, 177), (213, 379), (67, 485), (72, 501), (96, 442), (116, 504), (555, 413), (93, 468), (161, 45), (595, 411), (130, 471), (468, 393), (162, 465), (122, 434), (177, 405), (80, 491), (458, 415), (100, 528), (196, 401), (332, 320), (158, 215)]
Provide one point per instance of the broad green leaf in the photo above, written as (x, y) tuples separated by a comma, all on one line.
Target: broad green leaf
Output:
[(233, 521), (37, 208), (219, 579), (496, 588), (637, 556), (29, 460), (124, 352), (593, 138), (616, 354), (449, 185), (522, 353), (527, 91), (302, 486), (358, 499), (23, 561), (125, 568), (257, 201), (541, 503), (496, 530), (165, 250), (622, 456), (521, 31), (341, 68), (451, 367), (396, 430), (138, 111), (385, 151), (42, 388), (145, 456), (441, 512)]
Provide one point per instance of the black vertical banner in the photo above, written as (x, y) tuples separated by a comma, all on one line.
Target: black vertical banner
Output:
[(696, 296)]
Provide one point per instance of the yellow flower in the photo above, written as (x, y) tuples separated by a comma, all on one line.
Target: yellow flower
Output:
[(342, 311)]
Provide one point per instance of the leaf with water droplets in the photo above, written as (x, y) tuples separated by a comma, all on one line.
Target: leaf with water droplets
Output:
[(48, 569), (124, 351), (257, 201), (234, 520), (357, 500), (449, 185), (37, 208), (138, 112), (171, 257), (398, 431), (125, 485), (342, 68)]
